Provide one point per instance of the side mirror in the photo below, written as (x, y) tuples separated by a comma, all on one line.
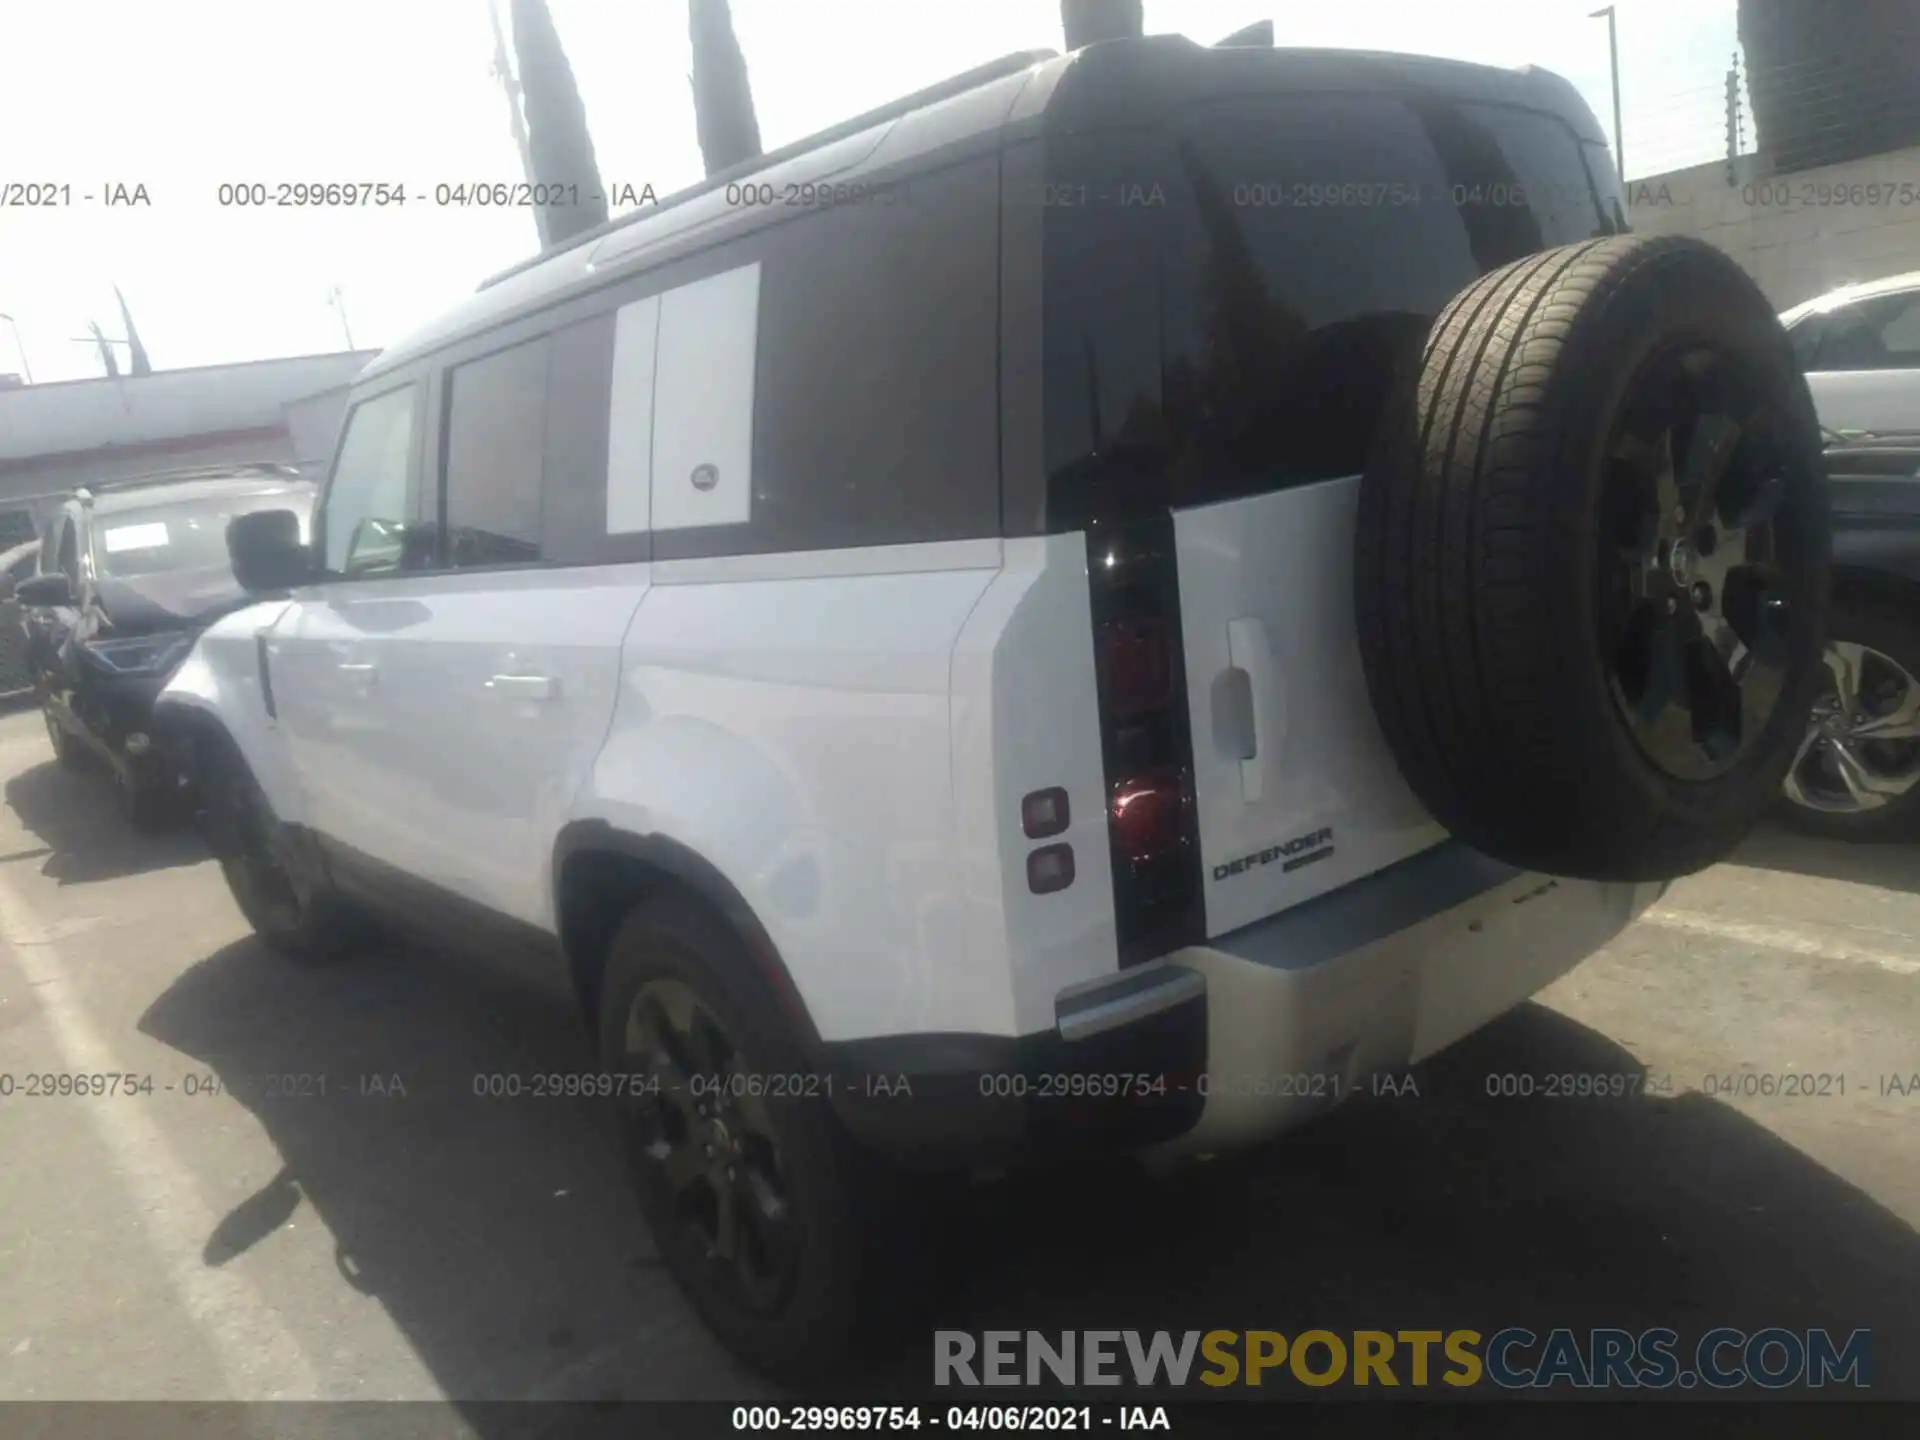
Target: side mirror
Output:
[(45, 591), (266, 552)]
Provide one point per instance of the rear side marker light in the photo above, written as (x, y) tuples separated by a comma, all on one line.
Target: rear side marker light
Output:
[(1044, 813), (1050, 868)]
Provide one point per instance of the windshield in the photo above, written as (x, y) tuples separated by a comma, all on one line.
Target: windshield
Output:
[(180, 536)]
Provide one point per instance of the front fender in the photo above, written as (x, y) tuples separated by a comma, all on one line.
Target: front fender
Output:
[(220, 683)]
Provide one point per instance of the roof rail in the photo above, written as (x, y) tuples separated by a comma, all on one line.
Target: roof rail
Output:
[(957, 85), (190, 472)]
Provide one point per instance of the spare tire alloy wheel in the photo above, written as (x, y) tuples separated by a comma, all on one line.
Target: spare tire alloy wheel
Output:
[(708, 1146), (1591, 561), (1694, 608)]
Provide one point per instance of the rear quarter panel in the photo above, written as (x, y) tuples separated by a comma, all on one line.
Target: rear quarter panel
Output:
[(786, 718)]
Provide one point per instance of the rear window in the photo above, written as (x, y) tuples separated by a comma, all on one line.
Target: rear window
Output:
[(1229, 319)]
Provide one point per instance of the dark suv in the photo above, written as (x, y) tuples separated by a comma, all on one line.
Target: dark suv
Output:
[(130, 572)]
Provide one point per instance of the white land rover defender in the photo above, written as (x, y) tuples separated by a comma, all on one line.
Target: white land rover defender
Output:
[(1098, 605)]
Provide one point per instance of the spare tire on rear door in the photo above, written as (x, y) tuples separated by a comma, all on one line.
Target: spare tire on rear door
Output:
[(1591, 564)]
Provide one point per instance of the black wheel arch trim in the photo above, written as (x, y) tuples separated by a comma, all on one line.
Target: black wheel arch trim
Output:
[(697, 874)]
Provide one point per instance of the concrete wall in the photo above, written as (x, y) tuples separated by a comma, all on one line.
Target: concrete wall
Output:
[(131, 411), (1795, 249)]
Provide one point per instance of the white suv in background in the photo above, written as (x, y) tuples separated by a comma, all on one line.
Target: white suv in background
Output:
[(1860, 348), (1097, 606)]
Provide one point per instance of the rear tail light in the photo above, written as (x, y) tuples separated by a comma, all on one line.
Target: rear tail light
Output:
[(1137, 655), (1149, 815)]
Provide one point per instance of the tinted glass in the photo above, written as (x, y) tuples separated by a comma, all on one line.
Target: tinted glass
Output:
[(496, 436), (876, 386), (574, 496), (1241, 331), (1882, 334), (369, 502)]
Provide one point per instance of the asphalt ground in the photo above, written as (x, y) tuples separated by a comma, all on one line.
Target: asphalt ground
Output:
[(230, 1234)]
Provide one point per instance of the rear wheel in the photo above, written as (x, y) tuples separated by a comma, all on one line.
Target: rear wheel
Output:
[(768, 1217), (1857, 773), (1592, 561)]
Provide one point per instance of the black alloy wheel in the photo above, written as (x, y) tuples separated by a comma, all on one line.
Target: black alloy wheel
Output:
[(705, 1133), (1693, 610)]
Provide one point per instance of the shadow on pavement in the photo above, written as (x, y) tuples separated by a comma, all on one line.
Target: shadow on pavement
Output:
[(1773, 846), (499, 1236), (75, 814)]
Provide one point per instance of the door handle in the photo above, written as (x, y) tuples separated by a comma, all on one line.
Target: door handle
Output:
[(359, 676), (525, 687), (1248, 651)]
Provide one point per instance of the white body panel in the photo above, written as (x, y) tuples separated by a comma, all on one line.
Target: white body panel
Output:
[(787, 719), (221, 678), (703, 402), (1266, 588), (1025, 718), (636, 335), (457, 757)]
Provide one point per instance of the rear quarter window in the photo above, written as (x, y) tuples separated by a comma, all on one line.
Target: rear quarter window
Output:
[(1242, 333)]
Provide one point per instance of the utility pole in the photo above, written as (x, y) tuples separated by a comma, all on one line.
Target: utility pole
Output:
[(339, 303), (1734, 122), (14, 326), (503, 72), (1613, 51)]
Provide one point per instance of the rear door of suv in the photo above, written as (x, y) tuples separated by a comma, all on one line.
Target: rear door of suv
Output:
[(1224, 351), (496, 693)]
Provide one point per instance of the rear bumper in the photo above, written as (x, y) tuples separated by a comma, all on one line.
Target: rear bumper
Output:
[(1226, 1044)]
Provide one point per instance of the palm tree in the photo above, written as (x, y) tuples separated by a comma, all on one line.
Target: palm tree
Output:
[(722, 99), (105, 347), (558, 144), (137, 363)]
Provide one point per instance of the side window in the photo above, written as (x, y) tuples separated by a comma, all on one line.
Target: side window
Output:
[(1880, 334), (496, 442), (832, 381), (599, 439), (368, 506)]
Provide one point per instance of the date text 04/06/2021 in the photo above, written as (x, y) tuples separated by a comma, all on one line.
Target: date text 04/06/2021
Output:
[(865, 1418)]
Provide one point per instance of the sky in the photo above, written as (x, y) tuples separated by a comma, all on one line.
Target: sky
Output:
[(183, 96)]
